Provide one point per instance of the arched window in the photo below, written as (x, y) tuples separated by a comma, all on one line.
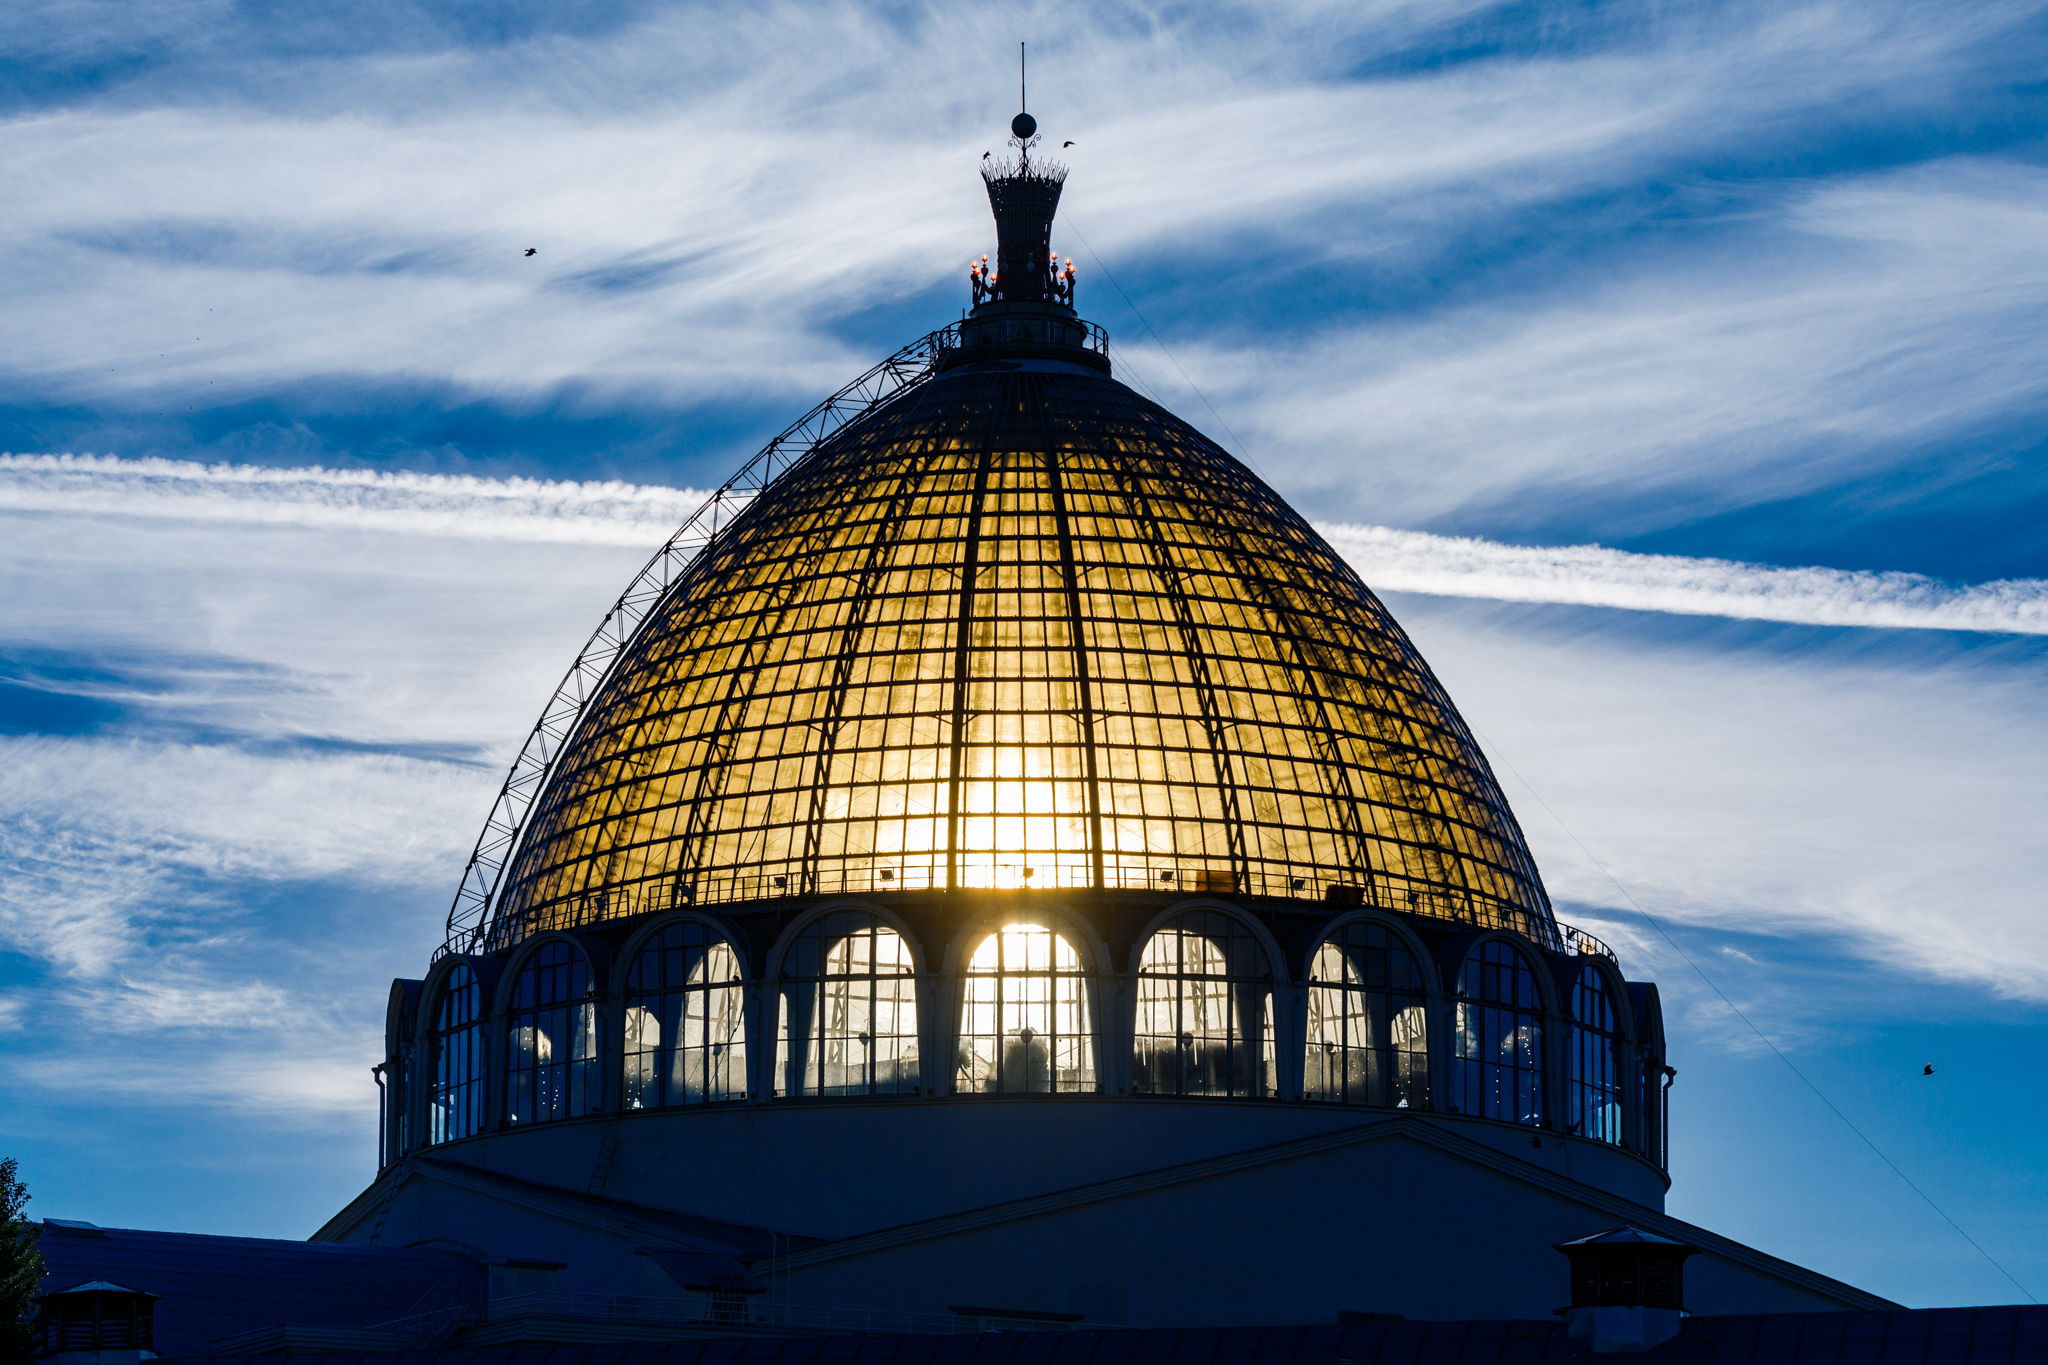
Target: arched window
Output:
[(1500, 1037), (848, 1011), (1596, 1060), (551, 1060), (686, 1040), (1205, 1010), (455, 1071), (1024, 1023), (1368, 1042)]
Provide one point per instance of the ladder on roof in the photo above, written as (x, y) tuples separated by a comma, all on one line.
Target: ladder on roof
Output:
[(392, 1179), (607, 1153), (469, 926)]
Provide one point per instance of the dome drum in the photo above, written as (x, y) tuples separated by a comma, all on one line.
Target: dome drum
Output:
[(932, 1000)]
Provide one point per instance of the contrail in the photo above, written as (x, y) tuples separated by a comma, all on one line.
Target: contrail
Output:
[(608, 513), (1592, 575), (614, 513)]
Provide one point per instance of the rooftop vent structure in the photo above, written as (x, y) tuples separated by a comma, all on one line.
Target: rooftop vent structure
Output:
[(1628, 1290), (95, 1323)]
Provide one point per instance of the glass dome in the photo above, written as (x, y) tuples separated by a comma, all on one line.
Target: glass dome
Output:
[(1018, 628)]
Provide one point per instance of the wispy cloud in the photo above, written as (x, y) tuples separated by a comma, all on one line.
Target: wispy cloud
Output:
[(205, 919), (155, 1001), (613, 513), (117, 850), (713, 189), (1825, 333), (294, 1071)]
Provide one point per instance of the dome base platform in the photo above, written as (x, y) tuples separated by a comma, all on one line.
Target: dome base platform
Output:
[(1146, 1212)]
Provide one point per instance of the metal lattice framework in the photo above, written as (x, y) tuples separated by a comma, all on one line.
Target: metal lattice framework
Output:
[(551, 734)]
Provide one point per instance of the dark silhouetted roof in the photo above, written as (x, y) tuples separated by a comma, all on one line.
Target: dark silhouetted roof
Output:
[(681, 1231), (96, 1287), (1927, 1336), (215, 1287)]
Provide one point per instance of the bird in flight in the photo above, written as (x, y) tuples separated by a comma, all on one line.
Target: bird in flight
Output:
[(533, 251), (986, 155), (1927, 1070), (1066, 144)]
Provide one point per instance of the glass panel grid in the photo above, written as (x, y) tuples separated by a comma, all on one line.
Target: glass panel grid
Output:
[(1019, 630)]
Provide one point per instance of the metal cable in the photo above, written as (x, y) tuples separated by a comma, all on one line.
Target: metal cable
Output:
[(1763, 1037)]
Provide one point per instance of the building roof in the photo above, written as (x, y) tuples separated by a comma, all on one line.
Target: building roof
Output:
[(663, 1228), (96, 1287), (213, 1287), (1019, 627), (1620, 1237), (1941, 1336)]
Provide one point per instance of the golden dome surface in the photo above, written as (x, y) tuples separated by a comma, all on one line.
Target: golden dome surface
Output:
[(1018, 628)]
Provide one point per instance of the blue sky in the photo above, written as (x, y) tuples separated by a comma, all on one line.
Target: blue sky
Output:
[(1675, 369)]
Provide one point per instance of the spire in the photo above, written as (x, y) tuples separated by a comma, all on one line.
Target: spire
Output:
[(1024, 298), (1024, 195)]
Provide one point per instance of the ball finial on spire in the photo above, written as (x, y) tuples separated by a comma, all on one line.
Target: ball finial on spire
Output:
[(1023, 126)]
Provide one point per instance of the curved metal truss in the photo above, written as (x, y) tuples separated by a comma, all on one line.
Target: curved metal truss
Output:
[(468, 917)]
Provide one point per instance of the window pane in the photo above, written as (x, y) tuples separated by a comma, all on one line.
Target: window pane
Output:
[(455, 1098), (685, 1021), (1367, 1031), (551, 1038), (849, 1011), (1596, 1061), (1204, 1020), (1499, 1060), (1024, 1023)]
